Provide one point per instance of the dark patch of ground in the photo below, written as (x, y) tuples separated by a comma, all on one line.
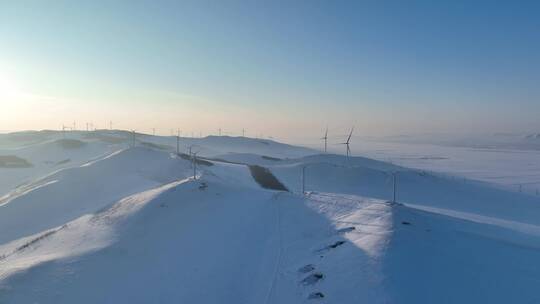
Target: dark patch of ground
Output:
[(265, 178), (12, 161), (316, 295), (331, 246), (155, 146), (312, 278), (198, 160), (336, 244), (270, 158), (346, 229), (307, 268), (226, 161), (70, 143)]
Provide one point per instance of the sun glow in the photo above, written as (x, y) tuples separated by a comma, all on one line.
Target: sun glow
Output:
[(8, 87)]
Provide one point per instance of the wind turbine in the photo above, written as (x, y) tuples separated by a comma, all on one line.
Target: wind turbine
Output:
[(325, 139), (348, 142)]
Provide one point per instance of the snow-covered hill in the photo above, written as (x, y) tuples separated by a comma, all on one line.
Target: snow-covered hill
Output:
[(119, 224)]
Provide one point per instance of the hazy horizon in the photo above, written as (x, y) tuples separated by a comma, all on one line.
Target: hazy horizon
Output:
[(285, 70)]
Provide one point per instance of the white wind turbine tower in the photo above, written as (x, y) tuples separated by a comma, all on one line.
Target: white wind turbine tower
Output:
[(325, 140), (348, 142)]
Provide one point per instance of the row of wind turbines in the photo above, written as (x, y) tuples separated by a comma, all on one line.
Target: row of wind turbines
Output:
[(346, 143)]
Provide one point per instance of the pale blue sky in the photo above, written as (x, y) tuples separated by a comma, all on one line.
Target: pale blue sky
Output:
[(274, 67)]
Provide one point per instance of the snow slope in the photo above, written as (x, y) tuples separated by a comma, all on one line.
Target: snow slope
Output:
[(365, 177), (70, 193), (443, 259), (48, 157), (210, 241), (51, 151), (133, 226)]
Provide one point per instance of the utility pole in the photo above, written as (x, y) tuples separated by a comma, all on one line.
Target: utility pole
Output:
[(394, 186), (190, 153), (243, 132), (303, 180), (177, 145), (195, 166)]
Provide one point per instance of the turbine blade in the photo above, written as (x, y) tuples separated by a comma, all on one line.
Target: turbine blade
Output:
[(350, 135)]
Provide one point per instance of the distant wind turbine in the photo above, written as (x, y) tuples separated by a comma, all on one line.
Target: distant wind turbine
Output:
[(325, 140), (348, 142)]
